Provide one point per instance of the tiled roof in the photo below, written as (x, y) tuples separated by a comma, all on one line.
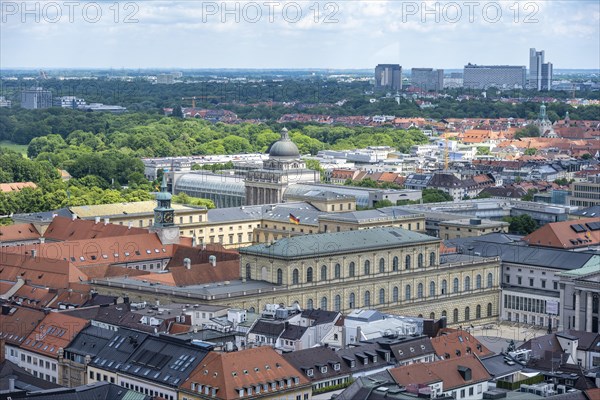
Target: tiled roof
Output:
[(16, 186), (320, 316), (567, 234), (18, 323), (458, 344), (315, 357), (268, 328), (229, 372), (61, 229), (39, 271), (18, 232), (446, 371), (56, 330)]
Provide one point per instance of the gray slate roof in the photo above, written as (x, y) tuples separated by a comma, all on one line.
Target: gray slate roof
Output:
[(338, 243)]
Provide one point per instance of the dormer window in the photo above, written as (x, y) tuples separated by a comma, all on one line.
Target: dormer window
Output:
[(324, 369), (309, 372), (241, 392), (336, 366)]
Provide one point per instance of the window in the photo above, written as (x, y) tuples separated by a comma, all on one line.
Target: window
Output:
[(407, 294), (432, 259), (519, 280), (478, 311), (444, 313), (531, 282), (381, 265), (309, 274), (309, 304), (324, 303), (455, 286), (444, 287), (407, 262), (489, 309), (395, 294), (324, 272), (351, 269), (351, 300), (490, 280), (367, 299), (337, 304), (478, 282), (543, 284), (337, 271), (432, 288), (295, 277), (382, 296), (279, 276), (395, 264), (467, 283), (367, 267), (420, 260), (248, 271), (455, 315)]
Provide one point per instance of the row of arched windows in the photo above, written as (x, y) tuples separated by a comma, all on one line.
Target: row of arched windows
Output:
[(467, 316)]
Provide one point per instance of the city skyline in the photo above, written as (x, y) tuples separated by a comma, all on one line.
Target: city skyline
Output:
[(335, 35)]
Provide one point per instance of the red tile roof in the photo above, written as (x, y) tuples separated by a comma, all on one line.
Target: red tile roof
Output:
[(16, 186), (566, 234), (18, 232), (63, 228), (55, 331), (18, 323), (458, 343)]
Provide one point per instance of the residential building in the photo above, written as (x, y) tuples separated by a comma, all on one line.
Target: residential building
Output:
[(571, 234), (253, 373), (458, 343), (36, 98), (427, 79), (498, 76), (469, 227), (4, 103), (388, 76)]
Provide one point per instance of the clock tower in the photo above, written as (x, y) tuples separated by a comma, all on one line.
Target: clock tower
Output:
[(164, 216)]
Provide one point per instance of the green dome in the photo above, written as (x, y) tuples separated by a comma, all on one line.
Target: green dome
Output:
[(284, 147)]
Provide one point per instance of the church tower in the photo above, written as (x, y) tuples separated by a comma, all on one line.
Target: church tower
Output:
[(164, 216), (544, 124)]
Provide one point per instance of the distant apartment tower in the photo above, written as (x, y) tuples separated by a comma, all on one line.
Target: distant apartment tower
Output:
[(540, 73), (499, 76), (388, 76), (427, 79), (165, 79), (36, 98), (5, 103)]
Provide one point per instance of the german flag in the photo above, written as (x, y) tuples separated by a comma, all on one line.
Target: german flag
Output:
[(294, 219)]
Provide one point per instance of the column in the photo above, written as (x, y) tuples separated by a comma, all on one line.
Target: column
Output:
[(588, 312), (561, 308), (577, 306), (254, 196)]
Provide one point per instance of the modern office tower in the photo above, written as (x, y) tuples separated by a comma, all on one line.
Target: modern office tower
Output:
[(546, 76), (388, 76), (427, 79), (540, 73), (499, 76), (36, 98)]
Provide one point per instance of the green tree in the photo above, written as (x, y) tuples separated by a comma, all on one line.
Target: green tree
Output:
[(435, 196), (528, 131), (530, 151), (529, 195), (522, 224)]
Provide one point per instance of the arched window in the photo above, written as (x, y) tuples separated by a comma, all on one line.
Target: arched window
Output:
[(295, 277), (432, 259), (351, 269), (367, 300), (367, 267), (381, 296), (420, 290), (490, 280), (407, 294), (478, 311), (248, 271), (337, 271), (467, 283), (337, 303), (324, 272), (444, 287), (455, 315), (279, 276), (455, 286), (444, 313), (432, 288), (489, 309), (395, 294), (309, 274), (395, 264), (407, 262), (467, 313), (381, 265), (309, 304), (351, 301), (478, 282), (432, 315), (420, 260), (324, 303)]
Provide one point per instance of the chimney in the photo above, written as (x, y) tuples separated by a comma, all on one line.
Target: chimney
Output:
[(97, 220), (11, 384), (33, 253), (187, 263), (106, 221), (212, 260), (73, 217), (129, 224)]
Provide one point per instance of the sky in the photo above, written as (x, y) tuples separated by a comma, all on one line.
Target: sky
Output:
[(296, 34)]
